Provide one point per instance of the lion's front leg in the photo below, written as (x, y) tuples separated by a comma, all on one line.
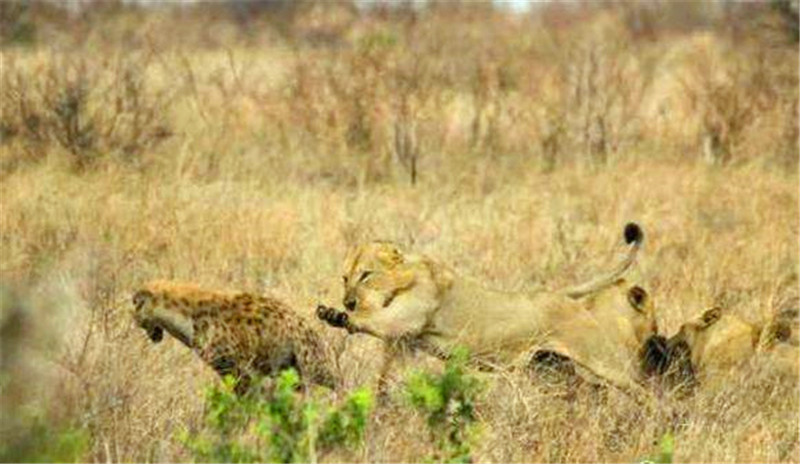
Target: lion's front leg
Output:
[(390, 354), (386, 327), (340, 319)]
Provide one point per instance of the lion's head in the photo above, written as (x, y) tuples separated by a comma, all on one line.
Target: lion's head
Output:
[(377, 273), (631, 312), (626, 305)]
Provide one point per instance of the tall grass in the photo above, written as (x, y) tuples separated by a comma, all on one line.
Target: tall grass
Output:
[(512, 148)]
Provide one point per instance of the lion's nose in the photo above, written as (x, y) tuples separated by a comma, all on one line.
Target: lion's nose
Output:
[(350, 304)]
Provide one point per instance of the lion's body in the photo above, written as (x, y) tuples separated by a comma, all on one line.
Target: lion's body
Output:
[(732, 342), (235, 333), (411, 298)]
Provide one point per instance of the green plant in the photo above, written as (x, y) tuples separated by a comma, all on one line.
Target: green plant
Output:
[(346, 424), (667, 447), (448, 403), (283, 426), (43, 442), (16, 24)]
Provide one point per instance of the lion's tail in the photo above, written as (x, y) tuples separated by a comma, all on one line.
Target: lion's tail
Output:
[(634, 236)]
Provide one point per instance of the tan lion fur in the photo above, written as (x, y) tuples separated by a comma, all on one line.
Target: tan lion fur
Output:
[(718, 343), (413, 300)]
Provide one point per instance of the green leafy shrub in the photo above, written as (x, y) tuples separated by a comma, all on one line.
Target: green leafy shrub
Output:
[(448, 403), (346, 424), (667, 448), (39, 441), (282, 427)]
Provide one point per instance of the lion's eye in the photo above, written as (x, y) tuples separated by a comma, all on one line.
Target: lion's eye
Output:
[(344, 279), (364, 275)]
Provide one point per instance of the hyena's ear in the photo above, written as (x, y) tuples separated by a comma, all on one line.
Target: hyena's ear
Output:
[(156, 333), (140, 297), (711, 316), (781, 331)]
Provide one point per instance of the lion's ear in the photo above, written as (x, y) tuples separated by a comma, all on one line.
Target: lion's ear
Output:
[(442, 277), (711, 316), (637, 297), (782, 331), (390, 256), (403, 280)]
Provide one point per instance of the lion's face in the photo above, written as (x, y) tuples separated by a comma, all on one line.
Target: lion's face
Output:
[(374, 275), (639, 313)]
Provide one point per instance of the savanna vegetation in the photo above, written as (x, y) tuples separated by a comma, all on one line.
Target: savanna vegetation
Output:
[(247, 145)]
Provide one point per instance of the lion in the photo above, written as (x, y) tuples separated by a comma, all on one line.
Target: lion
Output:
[(414, 302), (717, 343)]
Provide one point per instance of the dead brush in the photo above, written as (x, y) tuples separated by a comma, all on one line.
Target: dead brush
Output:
[(588, 102), (341, 107), (87, 109), (745, 104), (290, 152)]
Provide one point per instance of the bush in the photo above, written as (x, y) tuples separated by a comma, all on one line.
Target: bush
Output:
[(16, 24), (39, 441), (667, 448), (89, 109), (281, 427), (448, 403)]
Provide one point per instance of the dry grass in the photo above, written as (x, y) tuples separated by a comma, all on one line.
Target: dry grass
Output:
[(252, 160)]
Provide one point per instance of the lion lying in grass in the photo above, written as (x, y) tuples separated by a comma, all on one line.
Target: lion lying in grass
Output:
[(708, 348)]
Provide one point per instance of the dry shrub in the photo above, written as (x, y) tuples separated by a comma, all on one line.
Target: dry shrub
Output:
[(734, 102), (588, 103), (360, 108), (288, 150), (88, 109)]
